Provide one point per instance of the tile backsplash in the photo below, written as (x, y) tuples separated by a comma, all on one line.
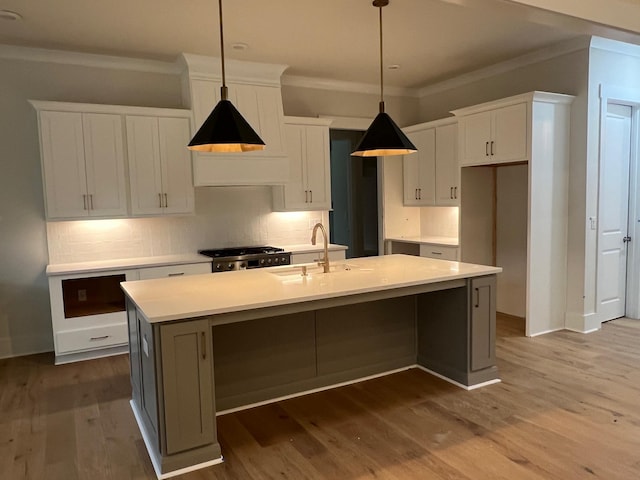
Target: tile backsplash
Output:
[(439, 222), (225, 217)]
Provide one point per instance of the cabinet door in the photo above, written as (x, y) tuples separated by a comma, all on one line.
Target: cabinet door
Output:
[(145, 174), (411, 176), (296, 195), (187, 375), (510, 134), (447, 170), (475, 138), (175, 158), (419, 169), (483, 322), (63, 163), (104, 159), (317, 167)]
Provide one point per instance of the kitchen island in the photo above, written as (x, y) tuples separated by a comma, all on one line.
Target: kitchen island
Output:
[(206, 344)]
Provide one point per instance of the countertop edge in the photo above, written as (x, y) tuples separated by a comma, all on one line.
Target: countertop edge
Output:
[(124, 264)]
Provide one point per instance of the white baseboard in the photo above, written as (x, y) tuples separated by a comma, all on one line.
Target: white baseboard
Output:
[(25, 345), (156, 461)]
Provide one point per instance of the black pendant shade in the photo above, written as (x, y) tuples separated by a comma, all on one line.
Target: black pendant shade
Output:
[(225, 130), (384, 138)]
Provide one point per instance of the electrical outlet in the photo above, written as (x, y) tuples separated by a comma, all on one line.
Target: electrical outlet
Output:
[(82, 295)]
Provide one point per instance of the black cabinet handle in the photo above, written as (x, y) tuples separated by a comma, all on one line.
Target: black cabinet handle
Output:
[(203, 345), (477, 297)]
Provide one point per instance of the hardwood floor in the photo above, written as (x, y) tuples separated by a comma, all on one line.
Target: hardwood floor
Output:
[(568, 407)]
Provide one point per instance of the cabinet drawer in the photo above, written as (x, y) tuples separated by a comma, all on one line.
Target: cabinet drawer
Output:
[(175, 270), (437, 251), (91, 338)]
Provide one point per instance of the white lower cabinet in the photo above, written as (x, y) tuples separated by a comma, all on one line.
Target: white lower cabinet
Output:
[(88, 314), (174, 270), (438, 251)]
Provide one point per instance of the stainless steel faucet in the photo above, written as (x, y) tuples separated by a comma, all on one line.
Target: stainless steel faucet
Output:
[(325, 260)]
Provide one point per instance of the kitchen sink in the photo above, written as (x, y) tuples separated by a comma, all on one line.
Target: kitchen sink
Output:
[(312, 270)]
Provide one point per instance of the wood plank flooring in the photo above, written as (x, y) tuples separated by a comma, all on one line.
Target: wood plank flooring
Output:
[(568, 407)]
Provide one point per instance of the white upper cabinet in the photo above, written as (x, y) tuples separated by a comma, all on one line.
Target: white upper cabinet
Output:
[(254, 89), (309, 185), (159, 165), (447, 169), (431, 174), (419, 169), (496, 134), (83, 163)]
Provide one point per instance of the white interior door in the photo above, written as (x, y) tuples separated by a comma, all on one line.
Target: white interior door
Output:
[(613, 212)]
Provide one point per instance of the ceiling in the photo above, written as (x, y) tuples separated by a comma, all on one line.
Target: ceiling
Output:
[(431, 40)]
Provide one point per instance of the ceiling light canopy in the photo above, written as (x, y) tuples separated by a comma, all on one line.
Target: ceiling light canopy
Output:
[(384, 137), (9, 15), (225, 130)]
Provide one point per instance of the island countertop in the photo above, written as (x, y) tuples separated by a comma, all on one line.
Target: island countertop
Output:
[(194, 296)]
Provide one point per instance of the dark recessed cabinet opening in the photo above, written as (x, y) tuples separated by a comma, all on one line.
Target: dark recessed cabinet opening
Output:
[(93, 296)]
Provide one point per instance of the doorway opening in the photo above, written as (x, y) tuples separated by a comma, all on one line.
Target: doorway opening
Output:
[(353, 219)]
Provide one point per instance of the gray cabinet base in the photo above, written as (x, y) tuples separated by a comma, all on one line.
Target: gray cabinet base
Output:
[(180, 463)]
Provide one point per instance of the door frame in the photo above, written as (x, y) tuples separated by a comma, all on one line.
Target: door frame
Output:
[(630, 97), (361, 124)]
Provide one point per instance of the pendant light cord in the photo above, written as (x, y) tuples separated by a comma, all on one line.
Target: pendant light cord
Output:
[(223, 89), (381, 69)]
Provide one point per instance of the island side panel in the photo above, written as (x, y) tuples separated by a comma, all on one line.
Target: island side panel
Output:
[(262, 359), (456, 332), (442, 325), (367, 338)]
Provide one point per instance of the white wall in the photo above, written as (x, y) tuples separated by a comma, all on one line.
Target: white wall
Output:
[(612, 64)]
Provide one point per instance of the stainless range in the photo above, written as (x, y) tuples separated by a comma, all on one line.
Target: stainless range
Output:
[(227, 259)]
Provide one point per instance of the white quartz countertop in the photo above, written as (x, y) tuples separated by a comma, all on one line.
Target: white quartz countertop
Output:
[(430, 240), (308, 248), (125, 264), (192, 296)]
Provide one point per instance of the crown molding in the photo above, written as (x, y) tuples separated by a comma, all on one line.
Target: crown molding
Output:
[(345, 86), (236, 71), (557, 50), (615, 46), (14, 52)]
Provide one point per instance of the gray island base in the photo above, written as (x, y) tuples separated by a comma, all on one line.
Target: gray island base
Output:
[(209, 344)]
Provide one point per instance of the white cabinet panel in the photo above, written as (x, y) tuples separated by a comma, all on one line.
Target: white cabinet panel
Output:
[(309, 187), (495, 136), (159, 165), (176, 165), (431, 175), (438, 251), (83, 164), (145, 170), (447, 170), (63, 164)]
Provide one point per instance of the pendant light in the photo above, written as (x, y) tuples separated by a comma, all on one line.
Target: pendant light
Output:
[(384, 137), (225, 130)]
